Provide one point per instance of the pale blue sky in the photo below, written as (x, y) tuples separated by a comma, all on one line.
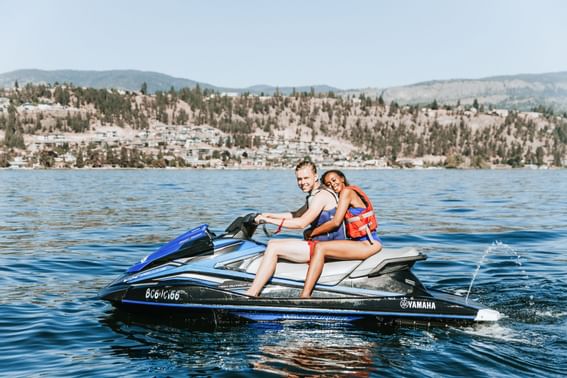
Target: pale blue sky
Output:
[(347, 44)]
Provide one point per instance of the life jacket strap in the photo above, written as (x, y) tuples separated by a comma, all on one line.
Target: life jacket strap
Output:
[(369, 235), (359, 217)]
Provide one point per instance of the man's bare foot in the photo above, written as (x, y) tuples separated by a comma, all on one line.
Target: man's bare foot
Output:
[(251, 294), (305, 295)]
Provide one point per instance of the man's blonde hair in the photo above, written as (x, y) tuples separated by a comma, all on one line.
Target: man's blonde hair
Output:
[(306, 163)]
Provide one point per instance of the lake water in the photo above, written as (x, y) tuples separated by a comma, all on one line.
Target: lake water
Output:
[(66, 234)]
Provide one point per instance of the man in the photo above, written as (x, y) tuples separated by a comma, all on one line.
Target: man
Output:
[(320, 206)]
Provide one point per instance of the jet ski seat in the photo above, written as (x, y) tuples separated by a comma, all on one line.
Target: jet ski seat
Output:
[(335, 271)]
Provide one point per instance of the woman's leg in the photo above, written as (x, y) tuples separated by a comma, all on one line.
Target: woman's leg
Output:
[(339, 250), (315, 268), (290, 249)]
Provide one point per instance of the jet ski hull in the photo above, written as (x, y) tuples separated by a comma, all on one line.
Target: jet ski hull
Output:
[(192, 299), (199, 273)]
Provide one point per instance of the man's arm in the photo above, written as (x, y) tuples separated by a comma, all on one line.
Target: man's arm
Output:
[(279, 216), (315, 208)]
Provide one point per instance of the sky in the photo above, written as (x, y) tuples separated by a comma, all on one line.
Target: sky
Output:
[(345, 44)]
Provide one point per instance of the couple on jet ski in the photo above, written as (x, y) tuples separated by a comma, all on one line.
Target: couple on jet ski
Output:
[(342, 227)]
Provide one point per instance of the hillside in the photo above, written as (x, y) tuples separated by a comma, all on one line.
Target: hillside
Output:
[(517, 92), (521, 92), (70, 126)]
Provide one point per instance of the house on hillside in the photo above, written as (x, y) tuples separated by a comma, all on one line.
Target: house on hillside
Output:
[(18, 162), (4, 104), (197, 153), (410, 162)]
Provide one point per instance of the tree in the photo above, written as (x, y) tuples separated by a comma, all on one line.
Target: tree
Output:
[(62, 96), (80, 163), (124, 161), (182, 117), (144, 88), (159, 161), (558, 157), (4, 158), (14, 135), (110, 158), (394, 107), (228, 142), (47, 158), (539, 156)]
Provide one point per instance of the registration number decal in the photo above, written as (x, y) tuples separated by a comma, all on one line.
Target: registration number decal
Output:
[(163, 294)]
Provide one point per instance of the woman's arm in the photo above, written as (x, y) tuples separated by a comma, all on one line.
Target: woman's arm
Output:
[(345, 199)]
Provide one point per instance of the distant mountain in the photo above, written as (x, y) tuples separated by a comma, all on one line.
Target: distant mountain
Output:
[(521, 92), (120, 79), (132, 80)]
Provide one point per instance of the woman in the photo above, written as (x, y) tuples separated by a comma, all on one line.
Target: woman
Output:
[(355, 209)]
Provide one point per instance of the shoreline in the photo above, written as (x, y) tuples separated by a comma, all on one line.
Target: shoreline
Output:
[(324, 167)]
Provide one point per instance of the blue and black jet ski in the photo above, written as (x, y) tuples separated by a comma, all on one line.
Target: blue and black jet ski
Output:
[(200, 273)]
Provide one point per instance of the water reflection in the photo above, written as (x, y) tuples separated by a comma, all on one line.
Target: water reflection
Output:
[(339, 357), (290, 349)]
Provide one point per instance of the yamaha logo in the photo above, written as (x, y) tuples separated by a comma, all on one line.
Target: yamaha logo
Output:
[(419, 305)]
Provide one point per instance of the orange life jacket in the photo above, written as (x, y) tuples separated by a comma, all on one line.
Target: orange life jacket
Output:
[(364, 223)]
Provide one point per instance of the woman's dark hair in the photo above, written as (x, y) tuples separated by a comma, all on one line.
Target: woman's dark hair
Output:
[(337, 172)]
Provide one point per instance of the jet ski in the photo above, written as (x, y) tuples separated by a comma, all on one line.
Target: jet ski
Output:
[(200, 273)]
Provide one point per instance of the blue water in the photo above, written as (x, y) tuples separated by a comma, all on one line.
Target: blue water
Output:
[(66, 234)]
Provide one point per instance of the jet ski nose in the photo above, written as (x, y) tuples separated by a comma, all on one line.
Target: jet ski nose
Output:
[(488, 315)]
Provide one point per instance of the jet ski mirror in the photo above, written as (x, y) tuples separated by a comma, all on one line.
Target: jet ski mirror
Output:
[(242, 227)]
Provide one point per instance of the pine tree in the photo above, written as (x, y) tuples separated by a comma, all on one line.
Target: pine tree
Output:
[(124, 157), (80, 163), (14, 135), (539, 156)]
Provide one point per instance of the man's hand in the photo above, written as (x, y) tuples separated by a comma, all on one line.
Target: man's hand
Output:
[(307, 233), (260, 219)]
